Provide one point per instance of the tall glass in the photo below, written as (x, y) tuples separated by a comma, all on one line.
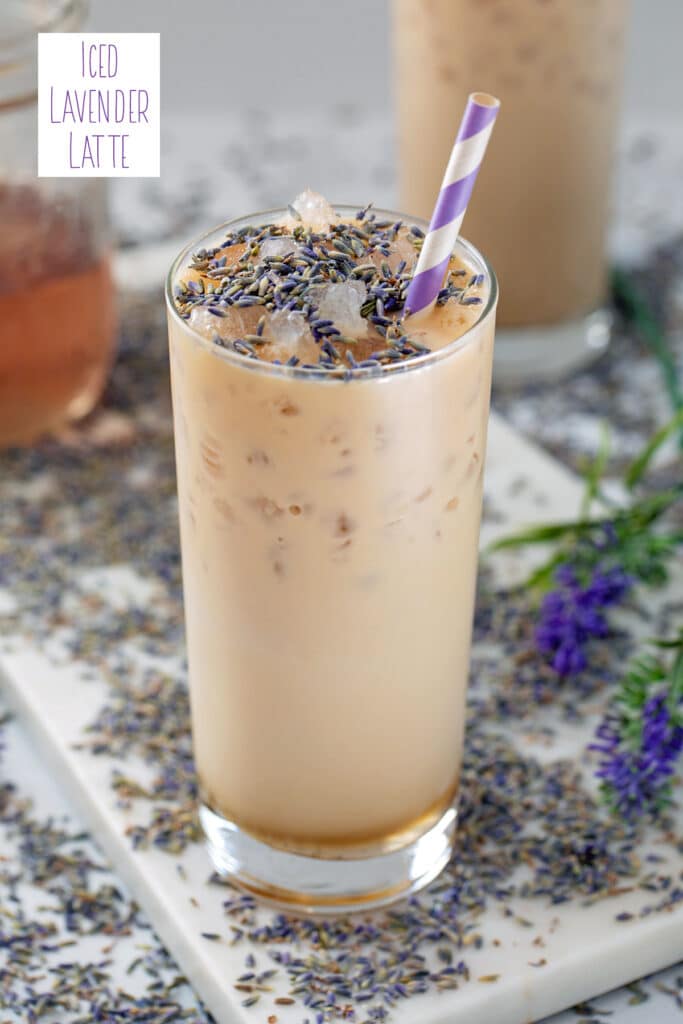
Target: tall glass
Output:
[(540, 208), (329, 534)]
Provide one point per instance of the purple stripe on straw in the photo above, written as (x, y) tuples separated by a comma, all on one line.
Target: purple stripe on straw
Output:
[(477, 117), (425, 285), (453, 199), (451, 204)]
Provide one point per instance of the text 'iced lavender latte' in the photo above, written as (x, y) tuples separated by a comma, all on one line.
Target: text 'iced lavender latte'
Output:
[(330, 458)]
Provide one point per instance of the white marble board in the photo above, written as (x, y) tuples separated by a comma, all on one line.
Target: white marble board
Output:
[(586, 952)]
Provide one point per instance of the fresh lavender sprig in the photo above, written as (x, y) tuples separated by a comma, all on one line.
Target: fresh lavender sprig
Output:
[(598, 560), (595, 564), (638, 512), (641, 737), (573, 614)]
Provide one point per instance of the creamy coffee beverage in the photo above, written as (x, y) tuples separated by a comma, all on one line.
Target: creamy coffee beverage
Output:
[(542, 197), (330, 457)]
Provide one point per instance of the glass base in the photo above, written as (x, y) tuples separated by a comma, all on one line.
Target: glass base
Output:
[(317, 885), (528, 355)]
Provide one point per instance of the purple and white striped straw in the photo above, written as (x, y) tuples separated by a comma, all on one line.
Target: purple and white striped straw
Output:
[(461, 173)]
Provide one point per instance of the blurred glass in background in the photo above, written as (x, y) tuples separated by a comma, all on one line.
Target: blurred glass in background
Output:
[(57, 319), (540, 208)]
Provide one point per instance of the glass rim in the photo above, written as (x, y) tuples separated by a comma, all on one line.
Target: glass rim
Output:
[(314, 373)]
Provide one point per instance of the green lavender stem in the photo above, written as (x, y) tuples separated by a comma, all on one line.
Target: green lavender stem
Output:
[(640, 314)]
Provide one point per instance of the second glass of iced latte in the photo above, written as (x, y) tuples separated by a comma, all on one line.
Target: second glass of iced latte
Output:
[(329, 509), (542, 198)]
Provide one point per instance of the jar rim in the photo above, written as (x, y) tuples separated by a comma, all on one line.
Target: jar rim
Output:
[(18, 39)]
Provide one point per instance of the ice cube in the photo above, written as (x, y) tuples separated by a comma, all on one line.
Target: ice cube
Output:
[(341, 303), (288, 332), (287, 327), (314, 210), (231, 325), (277, 245)]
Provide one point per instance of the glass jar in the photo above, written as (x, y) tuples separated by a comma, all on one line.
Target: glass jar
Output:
[(57, 317)]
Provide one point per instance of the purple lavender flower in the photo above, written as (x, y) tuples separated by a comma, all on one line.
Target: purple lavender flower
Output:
[(638, 780), (572, 615)]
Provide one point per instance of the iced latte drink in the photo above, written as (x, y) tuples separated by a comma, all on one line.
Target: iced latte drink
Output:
[(330, 457), (542, 197)]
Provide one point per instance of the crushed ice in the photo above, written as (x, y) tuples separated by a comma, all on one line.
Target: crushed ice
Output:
[(277, 245), (341, 303), (313, 209)]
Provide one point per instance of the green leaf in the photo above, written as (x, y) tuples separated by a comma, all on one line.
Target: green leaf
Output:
[(542, 578), (647, 674), (676, 643), (595, 471), (675, 701), (540, 535), (644, 512), (640, 464), (643, 318)]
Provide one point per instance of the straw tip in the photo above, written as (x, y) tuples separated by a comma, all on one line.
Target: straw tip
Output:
[(484, 99)]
